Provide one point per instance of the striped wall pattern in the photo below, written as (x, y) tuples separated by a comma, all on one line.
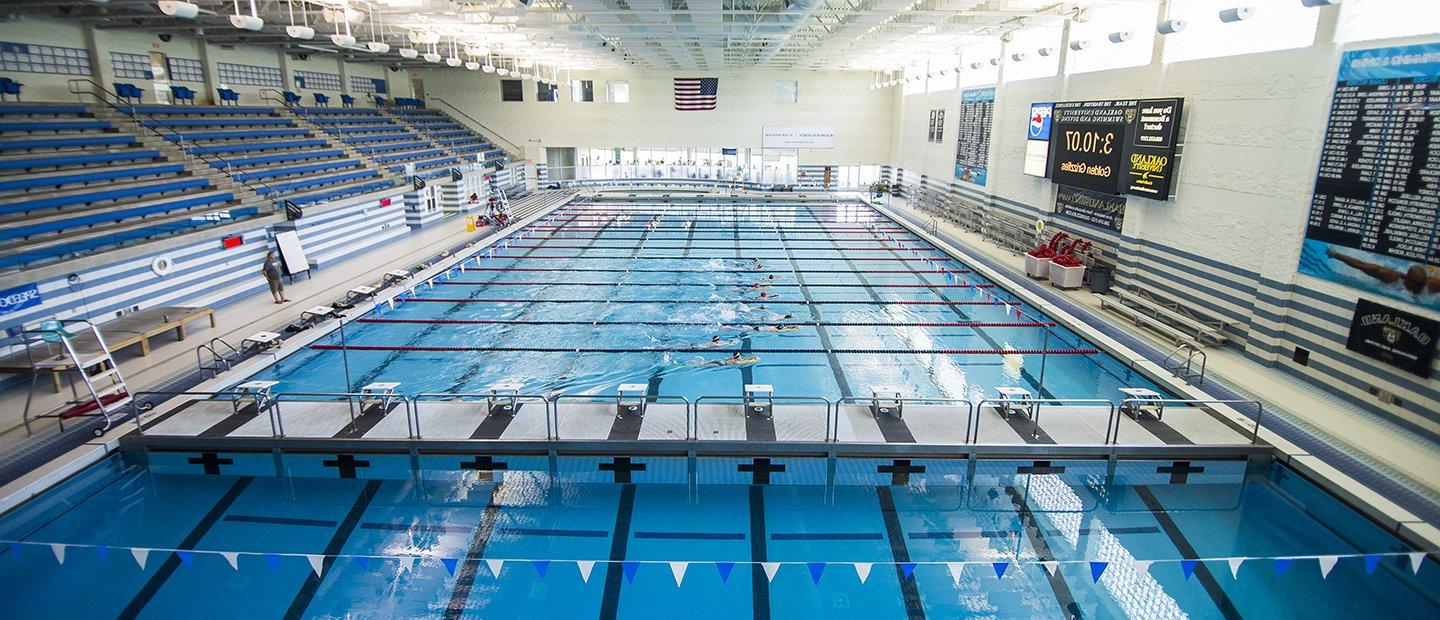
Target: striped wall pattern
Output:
[(202, 274), (418, 211), (349, 228), (542, 173), (1266, 319)]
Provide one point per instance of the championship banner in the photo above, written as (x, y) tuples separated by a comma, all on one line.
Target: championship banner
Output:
[(972, 144), (1398, 338)]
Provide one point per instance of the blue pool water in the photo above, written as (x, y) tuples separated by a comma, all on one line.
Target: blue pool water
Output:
[(598, 294), (395, 541)]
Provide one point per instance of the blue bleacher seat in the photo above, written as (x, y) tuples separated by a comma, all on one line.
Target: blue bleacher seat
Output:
[(60, 143), (9, 87), (385, 159), (182, 94), (289, 171), (236, 135), (34, 126), (347, 101), (245, 147), (84, 198), (56, 161), (342, 192), (57, 180), (318, 181), (291, 98), (83, 245), (42, 109), (265, 160), (321, 100), (228, 95), (196, 110), (114, 215), (129, 93), (216, 122)]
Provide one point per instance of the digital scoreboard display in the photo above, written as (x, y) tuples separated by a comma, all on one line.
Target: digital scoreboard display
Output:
[(1087, 144), (1116, 146)]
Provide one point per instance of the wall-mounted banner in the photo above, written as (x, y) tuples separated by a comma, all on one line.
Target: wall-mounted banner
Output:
[(972, 143), (1373, 221), (798, 137), (1398, 338), (1152, 147), (1094, 208), (930, 136), (1037, 140), (939, 136), (19, 298)]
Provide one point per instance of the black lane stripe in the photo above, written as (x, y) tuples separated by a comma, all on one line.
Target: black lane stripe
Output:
[(172, 561), (231, 422), (1217, 595), (544, 531), (691, 535), (759, 583), (280, 520), (835, 366), (494, 424), (826, 536), (1008, 534), (465, 575), (1063, 597), (168, 414), (415, 527), (614, 571), (362, 423), (1162, 431), (335, 546), (914, 608), (1026, 429)]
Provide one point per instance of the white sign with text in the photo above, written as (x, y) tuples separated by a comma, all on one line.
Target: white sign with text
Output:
[(799, 137)]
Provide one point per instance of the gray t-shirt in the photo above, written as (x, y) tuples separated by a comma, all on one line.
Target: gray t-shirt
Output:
[(272, 270)]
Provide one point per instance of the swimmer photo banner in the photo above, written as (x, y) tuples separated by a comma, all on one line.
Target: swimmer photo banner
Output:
[(972, 144), (1398, 338), (1374, 222)]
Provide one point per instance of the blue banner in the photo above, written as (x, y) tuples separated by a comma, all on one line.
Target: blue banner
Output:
[(19, 298)]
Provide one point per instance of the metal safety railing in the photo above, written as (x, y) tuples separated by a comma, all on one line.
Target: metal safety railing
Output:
[(622, 400), (490, 399), (732, 399), (1138, 405), (874, 402), (1031, 407), (278, 398)]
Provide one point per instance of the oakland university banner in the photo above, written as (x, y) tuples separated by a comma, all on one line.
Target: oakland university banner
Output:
[(1396, 337), (1094, 208)]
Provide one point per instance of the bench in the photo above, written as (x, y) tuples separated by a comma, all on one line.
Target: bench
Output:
[(384, 141), (85, 198), (1211, 331), (390, 148), (254, 146), (262, 160), (121, 333), (34, 126), (78, 245), (408, 156), (372, 119), (58, 180), (326, 166), (349, 190), (60, 143), (111, 216), (1142, 319), (57, 161), (236, 135), (263, 121), (47, 109), (227, 110), (316, 182), (337, 111)]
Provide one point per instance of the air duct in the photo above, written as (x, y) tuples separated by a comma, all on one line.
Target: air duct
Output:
[(790, 22)]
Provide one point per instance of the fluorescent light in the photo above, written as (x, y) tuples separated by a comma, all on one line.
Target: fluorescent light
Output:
[(175, 8), (300, 32), (409, 52), (378, 47), (247, 22)]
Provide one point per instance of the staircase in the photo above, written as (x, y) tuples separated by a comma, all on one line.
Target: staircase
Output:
[(74, 347)]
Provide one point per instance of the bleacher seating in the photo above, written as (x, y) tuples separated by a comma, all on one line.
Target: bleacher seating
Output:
[(71, 183), (9, 87), (445, 132)]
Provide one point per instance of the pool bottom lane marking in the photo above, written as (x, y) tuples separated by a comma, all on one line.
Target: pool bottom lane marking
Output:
[(1033, 533), (1217, 594), (332, 549), (759, 583), (493, 425), (172, 561), (835, 366), (363, 423), (914, 607), (619, 544), (465, 575)]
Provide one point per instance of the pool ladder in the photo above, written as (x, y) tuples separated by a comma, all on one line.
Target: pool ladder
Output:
[(217, 362), (1188, 363)]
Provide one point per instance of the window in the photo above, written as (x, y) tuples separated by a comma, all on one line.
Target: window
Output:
[(786, 91), (582, 91), (186, 70), (369, 86), (134, 66), (545, 92), (248, 75), (1136, 18), (1275, 26), (512, 90), (1362, 20), (617, 91), (44, 59), (1029, 42), (317, 81)]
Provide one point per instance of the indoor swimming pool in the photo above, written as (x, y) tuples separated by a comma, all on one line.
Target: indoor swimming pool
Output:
[(697, 297), (245, 535)]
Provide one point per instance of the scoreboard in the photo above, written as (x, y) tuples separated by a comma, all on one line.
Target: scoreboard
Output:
[(1115, 146)]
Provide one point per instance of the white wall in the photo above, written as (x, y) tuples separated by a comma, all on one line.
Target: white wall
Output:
[(746, 104)]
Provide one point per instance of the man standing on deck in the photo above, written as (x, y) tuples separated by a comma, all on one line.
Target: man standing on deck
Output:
[(271, 271)]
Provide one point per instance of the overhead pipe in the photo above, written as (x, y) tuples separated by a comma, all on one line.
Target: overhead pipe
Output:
[(790, 23)]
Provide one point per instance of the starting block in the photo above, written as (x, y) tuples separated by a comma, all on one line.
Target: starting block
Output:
[(1139, 401), (379, 393), (257, 392), (316, 314), (760, 400), (398, 275), (502, 399), (259, 341), (630, 399), (885, 399)]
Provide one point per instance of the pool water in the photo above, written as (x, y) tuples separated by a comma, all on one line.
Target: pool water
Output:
[(601, 537), (597, 294)]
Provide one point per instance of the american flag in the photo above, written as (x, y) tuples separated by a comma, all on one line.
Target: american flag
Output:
[(696, 93)]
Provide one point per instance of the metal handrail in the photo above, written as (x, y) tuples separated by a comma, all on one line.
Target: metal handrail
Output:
[(350, 397), (272, 194), (830, 431), (219, 363), (656, 398), (1037, 403), (462, 396), (969, 407), (1254, 433), (1173, 363), (519, 153)]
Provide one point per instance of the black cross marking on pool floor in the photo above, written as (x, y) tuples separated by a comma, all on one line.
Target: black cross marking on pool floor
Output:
[(1180, 471), (486, 466), (760, 470), (212, 462), (900, 470), (622, 468), (1040, 467), (346, 464)]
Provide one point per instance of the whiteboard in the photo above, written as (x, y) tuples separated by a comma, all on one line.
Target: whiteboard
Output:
[(291, 254)]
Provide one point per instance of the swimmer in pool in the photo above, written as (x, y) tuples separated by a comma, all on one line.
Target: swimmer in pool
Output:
[(735, 359), (775, 328), (764, 295), (759, 286), (716, 342)]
